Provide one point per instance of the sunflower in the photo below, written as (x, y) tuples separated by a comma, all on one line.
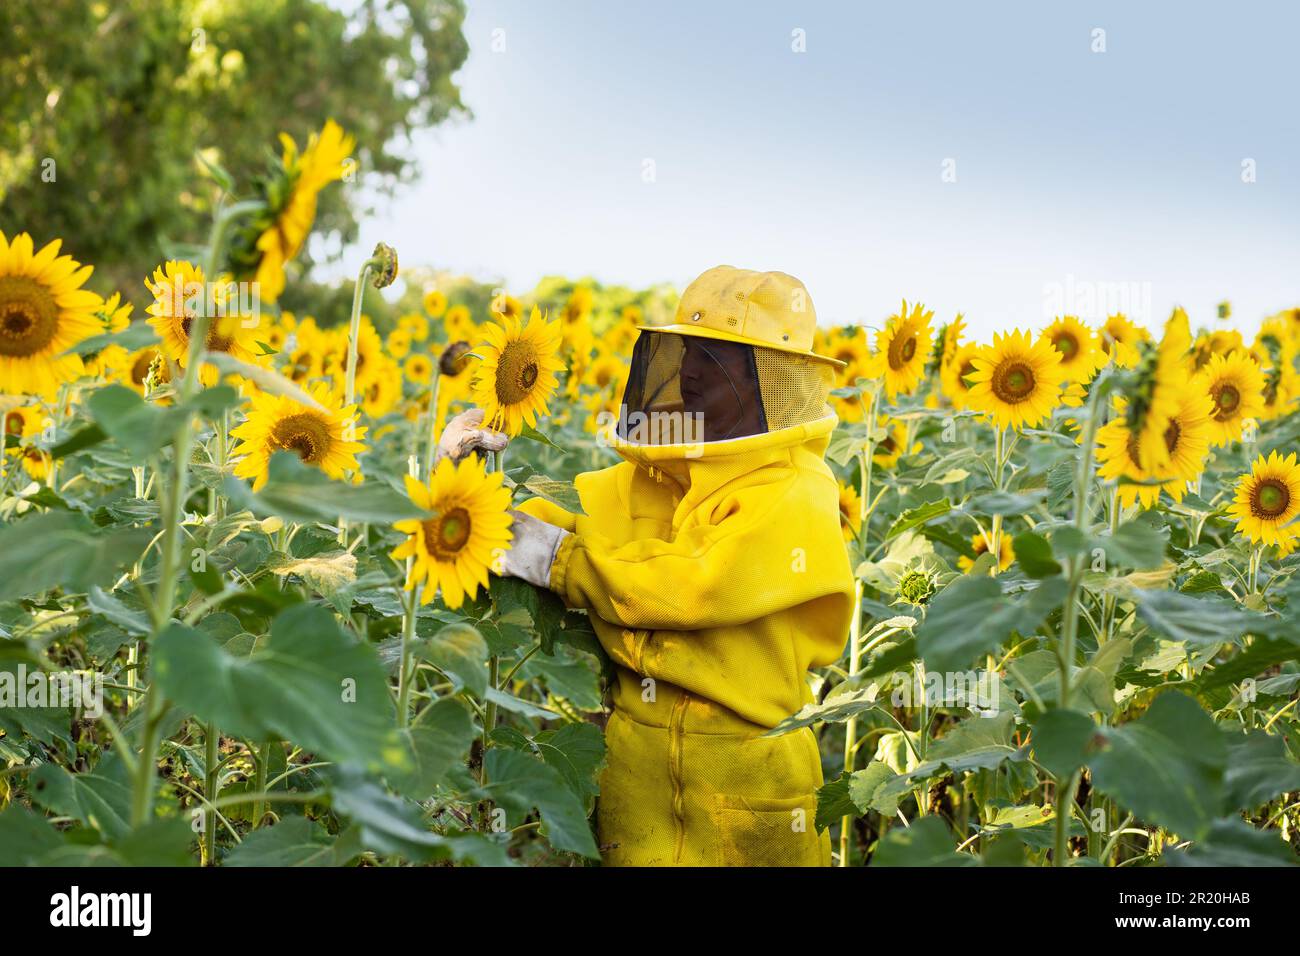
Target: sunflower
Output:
[(415, 325), (517, 371), (1120, 338), (43, 313), (502, 306), (1162, 375), (180, 294), (371, 360), (902, 347), (459, 324), (1081, 356), (418, 368), (114, 316), (954, 375), (468, 527), (327, 438), (1016, 380), (1235, 384), (435, 303), (850, 511), (1219, 342), (143, 370), (25, 423), (850, 346), (604, 373), (398, 343), (979, 544), (383, 390), (948, 341), (1267, 500), (293, 205), (1187, 440)]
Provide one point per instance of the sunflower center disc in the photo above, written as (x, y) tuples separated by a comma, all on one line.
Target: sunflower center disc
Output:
[(29, 316), (517, 372), (1172, 434), (1271, 499), (1066, 345), (447, 535), (304, 435), (1013, 383), (1227, 400)]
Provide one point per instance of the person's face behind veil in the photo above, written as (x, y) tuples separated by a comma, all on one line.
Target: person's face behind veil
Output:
[(719, 382)]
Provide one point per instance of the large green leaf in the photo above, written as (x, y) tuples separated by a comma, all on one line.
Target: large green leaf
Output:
[(927, 842), (1167, 766), (1232, 842), (972, 616), (100, 798), (439, 740), (310, 683), (1135, 544), (1060, 740), (294, 841), (1258, 769), (974, 744), (1200, 621), (519, 782), (61, 548), (577, 751), (459, 651), (298, 492)]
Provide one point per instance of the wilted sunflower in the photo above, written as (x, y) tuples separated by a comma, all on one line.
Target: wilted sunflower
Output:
[(517, 372), (1187, 439), (327, 438), (902, 348), (1162, 376), (43, 313), (1016, 380), (292, 197), (418, 369), (1120, 338), (179, 297), (979, 544), (850, 511), (1081, 355), (954, 375), (468, 526), (1267, 501), (1235, 385)]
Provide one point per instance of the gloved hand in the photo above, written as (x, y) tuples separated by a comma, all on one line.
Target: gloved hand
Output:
[(463, 435), (532, 550)]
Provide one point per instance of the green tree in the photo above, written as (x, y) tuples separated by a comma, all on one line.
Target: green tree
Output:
[(104, 105)]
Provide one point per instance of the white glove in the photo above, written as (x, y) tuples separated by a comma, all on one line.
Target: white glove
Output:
[(463, 436), (533, 549)]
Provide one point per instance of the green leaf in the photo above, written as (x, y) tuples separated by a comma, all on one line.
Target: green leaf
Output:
[(977, 743), (866, 786), (915, 517), (1167, 766), (310, 683), (144, 427), (1199, 621), (577, 751), (1060, 741), (834, 803), (294, 841), (87, 437), (1135, 544), (533, 434), (137, 335), (1034, 555), (1006, 504), (1233, 843), (64, 549), (26, 839), (972, 616), (101, 602), (100, 798), (561, 493), (460, 651), (1258, 769), (438, 741), (927, 842), (519, 782), (298, 492)]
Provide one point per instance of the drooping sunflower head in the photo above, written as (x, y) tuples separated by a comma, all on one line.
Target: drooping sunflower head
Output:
[(516, 374), (43, 313), (467, 528), (325, 436), (1235, 385), (902, 349), (1016, 380), (1081, 355), (1267, 501)]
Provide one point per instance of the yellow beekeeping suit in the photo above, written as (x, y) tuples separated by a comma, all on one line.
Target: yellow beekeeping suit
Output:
[(715, 576)]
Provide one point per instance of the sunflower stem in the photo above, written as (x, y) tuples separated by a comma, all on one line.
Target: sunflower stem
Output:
[(354, 330), (409, 607)]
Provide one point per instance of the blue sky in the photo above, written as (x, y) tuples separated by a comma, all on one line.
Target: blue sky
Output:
[(1114, 174)]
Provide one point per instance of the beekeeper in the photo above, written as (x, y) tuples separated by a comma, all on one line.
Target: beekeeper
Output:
[(712, 565)]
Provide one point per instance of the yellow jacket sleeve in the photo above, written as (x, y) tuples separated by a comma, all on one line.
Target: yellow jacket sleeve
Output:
[(769, 553)]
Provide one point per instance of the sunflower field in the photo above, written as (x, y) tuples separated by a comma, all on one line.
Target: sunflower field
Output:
[(248, 619)]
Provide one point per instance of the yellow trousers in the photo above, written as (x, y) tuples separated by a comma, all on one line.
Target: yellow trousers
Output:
[(689, 783)]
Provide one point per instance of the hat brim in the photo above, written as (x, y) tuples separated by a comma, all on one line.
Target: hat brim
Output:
[(700, 332)]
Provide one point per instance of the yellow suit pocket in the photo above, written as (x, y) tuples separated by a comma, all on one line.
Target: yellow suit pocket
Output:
[(766, 831)]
